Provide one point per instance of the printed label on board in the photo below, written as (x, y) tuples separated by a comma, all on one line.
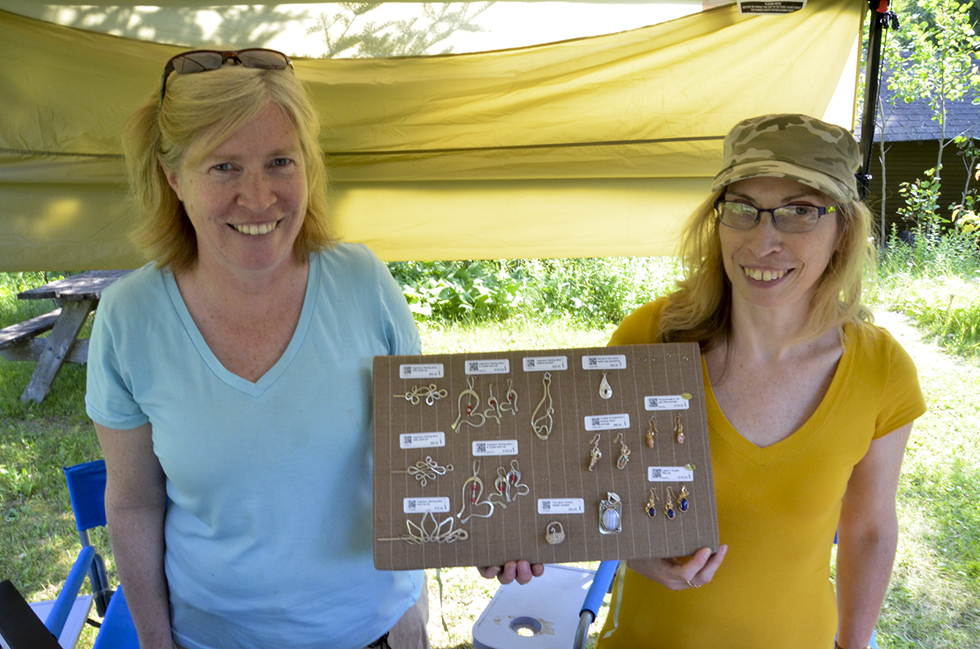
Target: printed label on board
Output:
[(421, 371), (604, 362), (422, 440), (491, 447), (667, 402), (546, 364), (494, 366), (607, 422), (670, 474), (561, 506), (550, 506), (435, 505)]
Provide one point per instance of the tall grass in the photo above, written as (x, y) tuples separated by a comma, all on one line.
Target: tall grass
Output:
[(935, 280)]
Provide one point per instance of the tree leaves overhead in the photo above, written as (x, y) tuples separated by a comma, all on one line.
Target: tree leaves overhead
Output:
[(351, 33)]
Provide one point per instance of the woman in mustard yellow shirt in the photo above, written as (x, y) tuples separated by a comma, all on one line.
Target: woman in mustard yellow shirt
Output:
[(809, 406)]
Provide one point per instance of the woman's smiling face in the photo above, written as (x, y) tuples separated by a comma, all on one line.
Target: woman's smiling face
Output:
[(769, 268), (247, 198)]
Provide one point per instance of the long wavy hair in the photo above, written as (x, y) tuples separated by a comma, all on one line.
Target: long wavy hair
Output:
[(700, 310), (199, 112)]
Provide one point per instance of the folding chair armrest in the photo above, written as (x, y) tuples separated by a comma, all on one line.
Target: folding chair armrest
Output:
[(601, 582), (603, 579), (118, 630), (66, 598)]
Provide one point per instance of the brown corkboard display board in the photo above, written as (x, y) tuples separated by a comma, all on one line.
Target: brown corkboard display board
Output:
[(489, 412)]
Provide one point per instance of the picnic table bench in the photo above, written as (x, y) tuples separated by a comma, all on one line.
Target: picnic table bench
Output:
[(77, 296)]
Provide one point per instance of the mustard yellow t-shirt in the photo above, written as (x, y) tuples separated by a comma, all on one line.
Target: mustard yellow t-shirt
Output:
[(778, 509)]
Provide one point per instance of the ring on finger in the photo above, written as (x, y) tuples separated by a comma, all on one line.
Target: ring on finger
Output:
[(692, 585)]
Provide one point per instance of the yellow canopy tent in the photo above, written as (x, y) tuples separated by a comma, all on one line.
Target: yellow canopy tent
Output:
[(590, 147)]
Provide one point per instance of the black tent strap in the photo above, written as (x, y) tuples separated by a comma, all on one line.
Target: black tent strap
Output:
[(513, 147)]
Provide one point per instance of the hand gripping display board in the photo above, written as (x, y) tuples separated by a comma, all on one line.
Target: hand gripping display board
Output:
[(549, 455)]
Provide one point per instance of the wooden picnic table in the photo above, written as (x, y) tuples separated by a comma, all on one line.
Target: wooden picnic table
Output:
[(76, 296)]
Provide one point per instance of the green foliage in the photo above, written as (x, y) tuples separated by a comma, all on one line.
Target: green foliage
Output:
[(593, 291), (350, 33), (922, 201), (935, 281)]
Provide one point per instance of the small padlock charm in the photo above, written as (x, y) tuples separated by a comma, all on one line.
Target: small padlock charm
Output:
[(555, 533)]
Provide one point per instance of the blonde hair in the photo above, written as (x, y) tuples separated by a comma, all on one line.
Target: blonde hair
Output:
[(199, 112), (701, 309)]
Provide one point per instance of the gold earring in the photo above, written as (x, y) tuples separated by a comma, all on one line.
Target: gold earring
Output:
[(682, 500), (595, 453), (624, 453), (651, 429), (652, 503), (669, 506), (679, 429)]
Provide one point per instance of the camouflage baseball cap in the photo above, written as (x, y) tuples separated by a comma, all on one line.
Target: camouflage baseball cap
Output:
[(801, 148)]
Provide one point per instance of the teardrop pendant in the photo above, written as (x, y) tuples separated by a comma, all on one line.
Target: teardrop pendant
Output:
[(605, 390)]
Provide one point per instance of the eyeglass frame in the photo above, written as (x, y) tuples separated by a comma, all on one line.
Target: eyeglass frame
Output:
[(821, 211), (226, 55)]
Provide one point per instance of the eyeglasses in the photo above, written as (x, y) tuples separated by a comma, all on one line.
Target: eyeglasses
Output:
[(788, 218), (207, 60)]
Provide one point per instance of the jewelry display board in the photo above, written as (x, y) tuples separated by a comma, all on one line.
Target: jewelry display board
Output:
[(550, 456)]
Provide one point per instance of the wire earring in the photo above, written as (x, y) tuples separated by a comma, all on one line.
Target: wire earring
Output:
[(652, 503), (624, 453), (595, 453), (651, 429), (471, 407), (682, 500), (669, 506), (493, 412), (679, 429), (510, 405), (476, 490)]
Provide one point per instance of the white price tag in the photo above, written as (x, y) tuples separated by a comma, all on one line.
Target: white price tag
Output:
[(670, 474), (435, 505), (430, 371), (550, 506), (607, 422), (545, 363), (422, 440), (495, 366), (606, 362), (493, 447), (667, 402)]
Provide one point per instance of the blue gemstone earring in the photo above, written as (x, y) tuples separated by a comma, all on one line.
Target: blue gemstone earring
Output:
[(652, 503), (669, 506), (682, 500)]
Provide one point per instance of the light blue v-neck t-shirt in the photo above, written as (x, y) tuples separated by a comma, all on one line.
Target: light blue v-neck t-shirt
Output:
[(269, 528)]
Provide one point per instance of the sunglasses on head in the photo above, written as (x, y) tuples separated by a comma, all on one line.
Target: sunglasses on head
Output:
[(206, 60)]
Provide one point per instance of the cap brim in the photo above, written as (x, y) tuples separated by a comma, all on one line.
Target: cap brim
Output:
[(779, 169)]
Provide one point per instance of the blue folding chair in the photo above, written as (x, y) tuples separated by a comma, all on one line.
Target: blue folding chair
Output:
[(86, 487), (57, 624)]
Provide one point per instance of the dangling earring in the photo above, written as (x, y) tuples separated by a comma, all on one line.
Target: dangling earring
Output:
[(669, 506), (651, 429), (682, 500), (624, 453), (679, 429), (595, 453), (652, 503)]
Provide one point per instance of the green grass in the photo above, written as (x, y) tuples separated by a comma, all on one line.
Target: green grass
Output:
[(934, 598)]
